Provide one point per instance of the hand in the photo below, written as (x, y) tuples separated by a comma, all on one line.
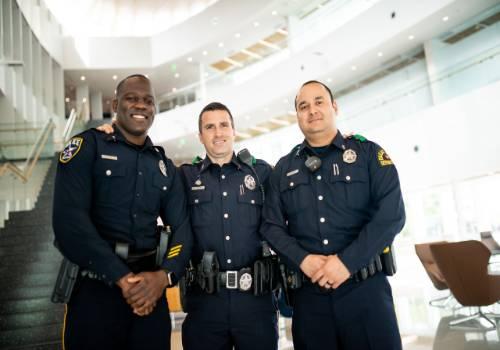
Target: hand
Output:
[(126, 283), (312, 263), (106, 128), (144, 311), (147, 289), (332, 274)]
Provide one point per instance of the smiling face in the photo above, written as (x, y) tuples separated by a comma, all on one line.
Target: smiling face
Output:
[(217, 135), (135, 108), (316, 112)]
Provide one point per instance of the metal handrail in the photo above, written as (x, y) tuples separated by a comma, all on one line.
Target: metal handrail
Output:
[(69, 125), (25, 173)]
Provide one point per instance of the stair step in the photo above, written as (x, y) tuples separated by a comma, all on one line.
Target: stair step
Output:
[(29, 280), (30, 336), (50, 267), (18, 293), (25, 248), (54, 345), (39, 241), (15, 258), (32, 319), (8, 307)]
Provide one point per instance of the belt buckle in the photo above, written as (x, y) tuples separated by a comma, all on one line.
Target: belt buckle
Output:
[(232, 279)]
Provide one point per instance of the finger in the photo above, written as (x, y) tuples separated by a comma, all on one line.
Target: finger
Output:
[(318, 275), (323, 281), (134, 279)]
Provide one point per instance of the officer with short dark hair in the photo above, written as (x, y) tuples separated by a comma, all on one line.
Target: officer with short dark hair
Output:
[(225, 200), (109, 191), (332, 206)]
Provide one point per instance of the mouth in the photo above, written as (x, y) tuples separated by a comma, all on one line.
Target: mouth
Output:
[(138, 116), (219, 142), (312, 120)]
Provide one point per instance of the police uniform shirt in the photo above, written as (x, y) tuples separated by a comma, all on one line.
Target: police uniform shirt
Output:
[(351, 206), (225, 205), (108, 190)]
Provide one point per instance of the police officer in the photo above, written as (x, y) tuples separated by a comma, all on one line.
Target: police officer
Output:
[(109, 191), (225, 201), (332, 206)]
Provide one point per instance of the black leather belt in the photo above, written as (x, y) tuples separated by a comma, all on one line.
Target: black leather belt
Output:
[(241, 280)]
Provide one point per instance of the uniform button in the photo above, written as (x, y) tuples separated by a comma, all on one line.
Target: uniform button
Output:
[(348, 178), (228, 238), (135, 215), (164, 188), (196, 200), (325, 241), (224, 194), (318, 177), (321, 219), (138, 194), (228, 261), (223, 177), (140, 172), (108, 172), (291, 184), (226, 215), (252, 201), (320, 197)]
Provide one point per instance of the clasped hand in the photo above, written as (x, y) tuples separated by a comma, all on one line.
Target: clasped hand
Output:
[(328, 271)]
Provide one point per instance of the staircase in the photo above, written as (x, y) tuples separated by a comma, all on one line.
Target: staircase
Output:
[(29, 265)]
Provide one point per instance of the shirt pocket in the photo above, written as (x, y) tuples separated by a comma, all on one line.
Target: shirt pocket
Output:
[(353, 186), (110, 182), (201, 208), (250, 208), (159, 186), (296, 193)]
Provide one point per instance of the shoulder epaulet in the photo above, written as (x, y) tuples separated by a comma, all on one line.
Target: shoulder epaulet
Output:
[(254, 161), (295, 149), (359, 138), (196, 160)]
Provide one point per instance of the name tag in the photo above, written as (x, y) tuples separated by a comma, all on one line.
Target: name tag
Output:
[(197, 188), (107, 156), (293, 172)]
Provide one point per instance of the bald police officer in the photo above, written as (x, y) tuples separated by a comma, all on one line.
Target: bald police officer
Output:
[(109, 191), (332, 206)]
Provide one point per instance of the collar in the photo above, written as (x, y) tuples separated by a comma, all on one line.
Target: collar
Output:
[(338, 141), (205, 164), (118, 136)]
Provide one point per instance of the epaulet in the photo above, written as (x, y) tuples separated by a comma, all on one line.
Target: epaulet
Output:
[(359, 138), (196, 160), (295, 149), (254, 161)]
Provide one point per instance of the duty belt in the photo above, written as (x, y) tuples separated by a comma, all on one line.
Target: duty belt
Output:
[(241, 280)]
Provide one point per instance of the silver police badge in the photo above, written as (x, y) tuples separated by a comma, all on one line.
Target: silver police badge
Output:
[(197, 182), (163, 168), (349, 156), (249, 182), (245, 281)]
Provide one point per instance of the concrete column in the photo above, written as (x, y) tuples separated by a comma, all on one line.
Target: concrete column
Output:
[(82, 101), (431, 49), (96, 105), (203, 82)]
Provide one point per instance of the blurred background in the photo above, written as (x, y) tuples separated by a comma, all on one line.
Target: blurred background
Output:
[(420, 78)]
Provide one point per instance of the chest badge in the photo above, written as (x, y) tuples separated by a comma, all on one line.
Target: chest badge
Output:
[(349, 156), (163, 168), (197, 182), (249, 182)]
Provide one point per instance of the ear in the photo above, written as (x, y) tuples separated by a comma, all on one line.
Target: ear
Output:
[(334, 105), (114, 105), (199, 138)]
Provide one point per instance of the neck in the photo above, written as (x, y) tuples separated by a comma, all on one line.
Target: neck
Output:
[(221, 160), (321, 139), (133, 139)]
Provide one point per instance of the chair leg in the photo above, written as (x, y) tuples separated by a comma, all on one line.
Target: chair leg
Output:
[(477, 316), (442, 302)]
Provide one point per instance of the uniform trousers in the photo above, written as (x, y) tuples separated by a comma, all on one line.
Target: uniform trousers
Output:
[(355, 316), (98, 317), (230, 319)]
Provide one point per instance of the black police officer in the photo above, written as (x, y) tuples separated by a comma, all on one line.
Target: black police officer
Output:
[(225, 203), (109, 190), (332, 206)]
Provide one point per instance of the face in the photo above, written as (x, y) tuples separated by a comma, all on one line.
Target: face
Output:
[(315, 111), (217, 134), (135, 107)]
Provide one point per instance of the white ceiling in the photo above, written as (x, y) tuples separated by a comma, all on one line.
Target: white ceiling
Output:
[(119, 18)]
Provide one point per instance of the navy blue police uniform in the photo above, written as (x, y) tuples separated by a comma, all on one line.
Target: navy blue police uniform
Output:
[(109, 191), (225, 204), (351, 206)]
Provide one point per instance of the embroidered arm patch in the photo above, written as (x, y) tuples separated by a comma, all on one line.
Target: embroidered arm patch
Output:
[(70, 151), (383, 158)]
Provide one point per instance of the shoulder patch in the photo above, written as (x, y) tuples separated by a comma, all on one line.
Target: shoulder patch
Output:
[(359, 138), (196, 160), (71, 150), (383, 158)]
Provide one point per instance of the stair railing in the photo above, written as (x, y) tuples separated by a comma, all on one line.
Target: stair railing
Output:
[(24, 172)]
